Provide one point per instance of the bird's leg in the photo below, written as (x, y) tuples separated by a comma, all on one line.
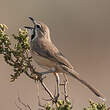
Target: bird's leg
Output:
[(65, 86), (58, 90)]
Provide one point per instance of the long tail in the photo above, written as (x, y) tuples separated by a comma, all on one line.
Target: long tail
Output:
[(77, 76)]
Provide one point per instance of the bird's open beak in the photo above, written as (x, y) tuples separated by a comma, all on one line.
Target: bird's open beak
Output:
[(32, 19)]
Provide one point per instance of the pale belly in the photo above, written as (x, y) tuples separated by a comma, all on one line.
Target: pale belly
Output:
[(43, 62)]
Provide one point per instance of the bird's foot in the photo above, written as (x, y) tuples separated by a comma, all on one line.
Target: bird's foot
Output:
[(55, 99)]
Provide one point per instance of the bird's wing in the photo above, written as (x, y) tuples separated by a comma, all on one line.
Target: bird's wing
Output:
[(48, 50)]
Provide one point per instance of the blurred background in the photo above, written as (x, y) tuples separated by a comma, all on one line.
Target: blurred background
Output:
[(80, 29)]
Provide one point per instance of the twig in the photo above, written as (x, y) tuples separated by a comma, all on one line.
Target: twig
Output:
[(47, 90), (42, 83)]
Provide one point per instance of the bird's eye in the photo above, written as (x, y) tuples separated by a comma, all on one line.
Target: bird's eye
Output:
[(38, 26)]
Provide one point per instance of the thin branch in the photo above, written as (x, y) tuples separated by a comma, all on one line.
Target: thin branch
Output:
[(42, 83), (46, 89)]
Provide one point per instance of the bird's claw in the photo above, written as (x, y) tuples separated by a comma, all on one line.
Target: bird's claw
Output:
[(55, 99)]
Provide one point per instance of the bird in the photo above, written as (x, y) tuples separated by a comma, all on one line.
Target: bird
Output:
[(46, 54)]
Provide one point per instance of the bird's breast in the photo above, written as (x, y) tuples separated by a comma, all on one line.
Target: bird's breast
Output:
[(42, 61)]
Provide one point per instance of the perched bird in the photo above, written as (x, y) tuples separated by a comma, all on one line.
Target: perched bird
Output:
[(45, 53)]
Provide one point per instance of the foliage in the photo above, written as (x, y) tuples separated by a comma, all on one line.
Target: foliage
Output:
[(17, 57), (96, 106), (60, 105)]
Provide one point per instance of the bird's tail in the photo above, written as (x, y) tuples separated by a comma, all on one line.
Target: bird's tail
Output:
[(77, 76)]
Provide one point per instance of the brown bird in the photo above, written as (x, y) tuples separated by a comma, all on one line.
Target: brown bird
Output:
[(45, 53)]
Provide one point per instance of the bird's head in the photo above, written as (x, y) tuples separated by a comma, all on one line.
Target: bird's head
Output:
[(39, 30)]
